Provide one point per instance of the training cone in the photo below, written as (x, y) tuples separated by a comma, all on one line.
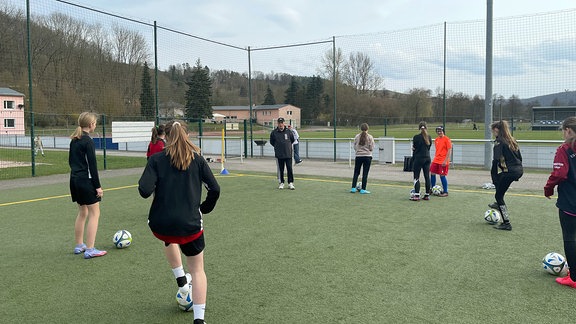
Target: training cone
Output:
[(224, 171)]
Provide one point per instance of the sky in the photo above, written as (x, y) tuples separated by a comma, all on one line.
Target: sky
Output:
[(240, 22), (406, 56)]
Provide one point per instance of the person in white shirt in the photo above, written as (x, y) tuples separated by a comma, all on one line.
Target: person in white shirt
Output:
[(295, 145)]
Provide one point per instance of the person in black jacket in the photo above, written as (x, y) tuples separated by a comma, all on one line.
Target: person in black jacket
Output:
[(421, 158), (176, 178), (85, 187), (282, 138), (506, 168)]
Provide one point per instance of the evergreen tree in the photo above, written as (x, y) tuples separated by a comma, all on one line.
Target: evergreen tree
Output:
[(291, 94), (147, 95), (199, 93), (269, 97), (314, 92)]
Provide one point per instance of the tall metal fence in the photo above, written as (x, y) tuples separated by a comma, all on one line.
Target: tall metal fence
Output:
[(81, 59)]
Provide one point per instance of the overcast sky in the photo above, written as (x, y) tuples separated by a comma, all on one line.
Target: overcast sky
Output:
[(268, 22)]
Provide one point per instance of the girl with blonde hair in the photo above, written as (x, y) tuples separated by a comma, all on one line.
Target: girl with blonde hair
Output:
[(176, 178), (85, 187)]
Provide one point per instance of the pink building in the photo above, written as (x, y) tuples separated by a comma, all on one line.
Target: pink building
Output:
[(11, 112), (261, 114)]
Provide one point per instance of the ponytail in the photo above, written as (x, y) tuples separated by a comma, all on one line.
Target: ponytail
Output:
[(84, 120), (178, 146)]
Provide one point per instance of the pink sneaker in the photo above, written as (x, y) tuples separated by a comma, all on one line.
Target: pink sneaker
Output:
[(566, 281), (93, 253)]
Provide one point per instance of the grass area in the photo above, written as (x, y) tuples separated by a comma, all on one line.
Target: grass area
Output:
[(316, 255), (56, 162)]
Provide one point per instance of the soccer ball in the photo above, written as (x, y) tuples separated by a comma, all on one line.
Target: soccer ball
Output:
[(122, 239), (492, 216), (437, 190), (412, 193), (184, 300), (555, 264)]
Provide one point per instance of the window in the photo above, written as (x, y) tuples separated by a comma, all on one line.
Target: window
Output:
[(9, 123), (9, 104), (289, 112)]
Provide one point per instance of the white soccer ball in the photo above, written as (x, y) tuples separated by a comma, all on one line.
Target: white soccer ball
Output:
[(437, 190), (492, 216), (555, 264), (185, 300), (122, 239), (412, 193)]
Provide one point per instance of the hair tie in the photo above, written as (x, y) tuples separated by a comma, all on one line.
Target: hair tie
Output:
[(176, 123)]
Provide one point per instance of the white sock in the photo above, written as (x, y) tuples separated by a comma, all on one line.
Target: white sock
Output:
[(198, 310), (178, 272)]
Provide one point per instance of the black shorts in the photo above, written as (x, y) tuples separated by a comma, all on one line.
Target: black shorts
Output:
[(82, 191), (192, 248)]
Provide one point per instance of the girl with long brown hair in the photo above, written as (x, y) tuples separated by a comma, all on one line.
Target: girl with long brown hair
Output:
[(506, 168), (363, 145), (176, 178)]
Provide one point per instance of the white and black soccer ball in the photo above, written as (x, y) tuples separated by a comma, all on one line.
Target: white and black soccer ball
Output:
[(122, 239), (555, 264), (412, 193), (184, 301), (492, 216), (437, 190)]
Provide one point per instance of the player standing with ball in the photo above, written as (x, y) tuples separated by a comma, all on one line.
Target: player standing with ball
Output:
[(176, 178), (564, 176), (506, 168)]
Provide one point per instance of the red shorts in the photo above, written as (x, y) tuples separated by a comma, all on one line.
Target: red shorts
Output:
[(436, 168)]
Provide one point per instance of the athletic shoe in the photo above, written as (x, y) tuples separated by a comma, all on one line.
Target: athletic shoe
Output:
[(199, 321), (493, 205), (281, 186), (364, 192), (298, 162), (79, 248), (566, 281), (415, 198), (93, 253), (426, 197), (444, 194), (291, 186), (504, 227), (353, 190)]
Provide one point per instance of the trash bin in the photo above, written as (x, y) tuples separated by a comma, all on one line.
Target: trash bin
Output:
[(261, 143), (408, 163), (386, 150)]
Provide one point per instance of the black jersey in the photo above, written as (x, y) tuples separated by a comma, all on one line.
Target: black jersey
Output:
[(176, 209), (82, 159)]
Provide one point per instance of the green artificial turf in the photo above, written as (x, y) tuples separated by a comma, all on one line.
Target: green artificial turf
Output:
[(317, 254)]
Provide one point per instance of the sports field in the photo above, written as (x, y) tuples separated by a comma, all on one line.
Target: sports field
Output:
[(317, 254)]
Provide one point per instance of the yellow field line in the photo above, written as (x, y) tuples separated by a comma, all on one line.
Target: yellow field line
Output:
[(269, 176)]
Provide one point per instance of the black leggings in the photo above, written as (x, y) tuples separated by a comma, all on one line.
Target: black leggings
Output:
[(502, 182), (424, 166), (363, 162), (568, 224)]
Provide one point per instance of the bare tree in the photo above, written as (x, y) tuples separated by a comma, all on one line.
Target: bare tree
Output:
[(360, 74), (328, 63)]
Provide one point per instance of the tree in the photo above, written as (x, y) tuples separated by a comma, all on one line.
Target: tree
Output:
[(146, 95), (360, 74), (291, 94), (269, 97), (329, 63), (199, 94), (314, 91)]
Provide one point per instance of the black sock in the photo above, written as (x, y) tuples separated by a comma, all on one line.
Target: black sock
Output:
[(181, 281)]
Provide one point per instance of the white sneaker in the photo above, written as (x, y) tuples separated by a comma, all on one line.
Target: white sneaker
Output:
[(281, 186), (291, 186)]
